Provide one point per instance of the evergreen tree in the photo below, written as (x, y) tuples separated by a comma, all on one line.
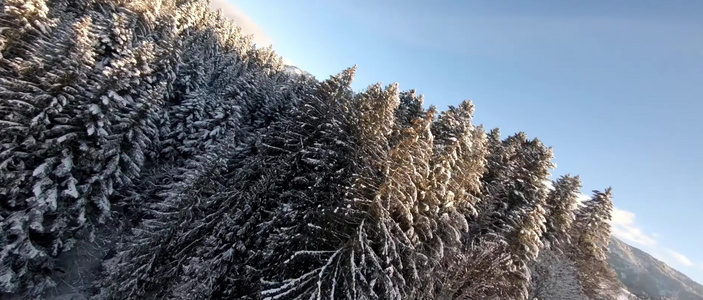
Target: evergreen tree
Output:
[(229, 238), (365, 263), (459, 163), (560, 205), (513, 205), (590, 239), (476, 272), (410, 109), (211, 105), (36, 166), (171, 219)]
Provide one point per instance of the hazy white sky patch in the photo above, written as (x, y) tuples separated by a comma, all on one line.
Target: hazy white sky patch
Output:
[(681, 258), (624, 227)]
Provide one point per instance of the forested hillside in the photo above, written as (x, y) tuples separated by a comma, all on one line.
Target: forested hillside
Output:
[(149, 151)]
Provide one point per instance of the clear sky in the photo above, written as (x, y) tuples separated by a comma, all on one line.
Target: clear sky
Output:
[(616, 87)]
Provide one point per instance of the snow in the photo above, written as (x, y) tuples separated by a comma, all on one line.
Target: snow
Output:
[(626, 295), (40, 170)]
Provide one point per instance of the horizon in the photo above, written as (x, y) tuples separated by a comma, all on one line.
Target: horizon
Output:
[(629, 75)]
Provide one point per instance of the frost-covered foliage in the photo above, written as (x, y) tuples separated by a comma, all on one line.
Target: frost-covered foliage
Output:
[(94, 95), (233, 179), (336, 199), (513, 207), (574, 266), (589, 247), (554, 277), (560, 206)]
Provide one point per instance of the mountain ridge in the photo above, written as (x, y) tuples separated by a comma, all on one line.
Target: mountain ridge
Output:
[(648, 277)]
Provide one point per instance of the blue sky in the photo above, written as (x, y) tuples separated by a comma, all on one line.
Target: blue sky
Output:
[(615, 87)]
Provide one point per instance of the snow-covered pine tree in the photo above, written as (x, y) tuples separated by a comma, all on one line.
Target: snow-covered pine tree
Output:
[(513, 204), (368, 241), (210, 105), (495, 145), (173, 215), (227, 240), (399, 234), (119, 120), (267, 97), (375, 112), (301, 166), (248, 183), (102, 84), (40, 149), (25, 24), (459, 163), (477, 272), (461, 151), (409, 109), (560, 206), (590, 238)]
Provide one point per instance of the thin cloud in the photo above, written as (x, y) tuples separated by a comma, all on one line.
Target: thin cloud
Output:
[(624, 227), (682, 259)]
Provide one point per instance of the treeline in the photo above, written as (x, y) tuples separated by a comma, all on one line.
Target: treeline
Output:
[(209, 173)]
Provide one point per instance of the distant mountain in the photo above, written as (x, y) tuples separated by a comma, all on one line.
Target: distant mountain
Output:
[(293, 70), (648, 277)]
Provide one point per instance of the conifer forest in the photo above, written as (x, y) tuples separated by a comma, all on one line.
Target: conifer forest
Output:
[(148, 150)]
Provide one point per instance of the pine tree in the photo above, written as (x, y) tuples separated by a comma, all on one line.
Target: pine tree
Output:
[(270, 184), (513, 205), (476, 272), (461, 150), (410, 109), (43, 60), (354, 268), (560, 205), (169, 220), (212, 103), (459, 163), (590, 239)]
